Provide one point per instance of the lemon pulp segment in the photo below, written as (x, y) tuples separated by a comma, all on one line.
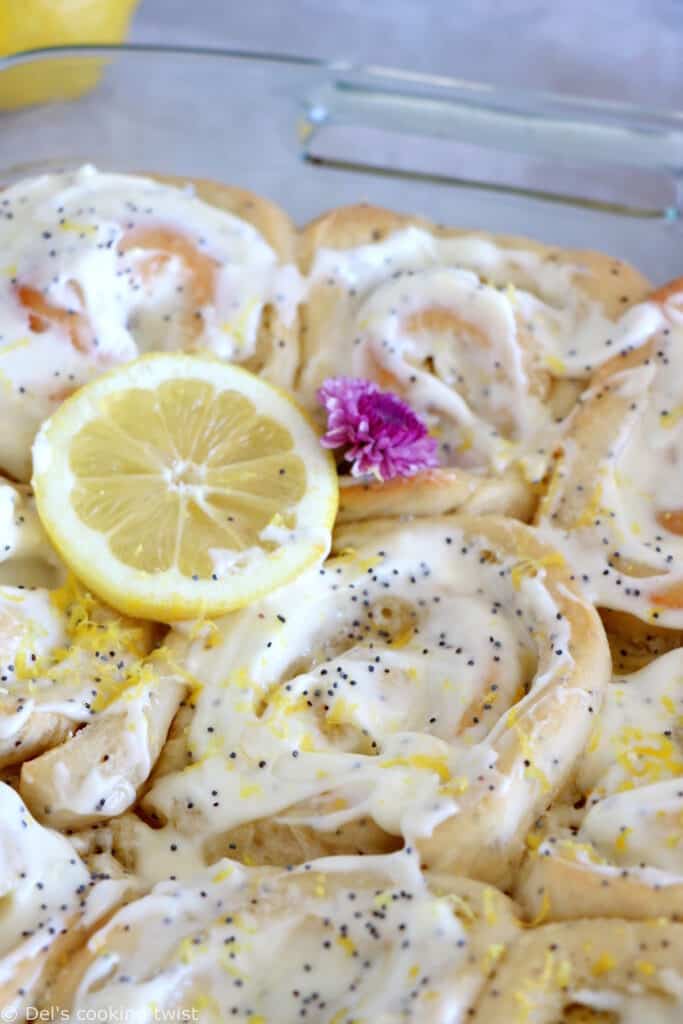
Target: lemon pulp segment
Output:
[(189, 471)]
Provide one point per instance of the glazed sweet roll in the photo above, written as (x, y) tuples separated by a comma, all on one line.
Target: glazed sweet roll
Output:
[(432, 683), (99, 770), (337, 940), (86, 699), (615, 847), (488, 339), (100, 268), (614, 501), (48, 901)]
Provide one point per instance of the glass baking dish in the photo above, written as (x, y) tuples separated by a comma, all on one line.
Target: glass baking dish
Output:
[(312, 135)]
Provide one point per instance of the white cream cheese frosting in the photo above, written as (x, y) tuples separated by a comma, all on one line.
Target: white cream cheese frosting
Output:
[(99, 268)]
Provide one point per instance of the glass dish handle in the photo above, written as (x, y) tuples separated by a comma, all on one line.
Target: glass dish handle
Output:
[(585, 152)]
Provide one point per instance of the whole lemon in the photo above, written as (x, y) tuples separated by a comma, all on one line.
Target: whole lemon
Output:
[(32, 24)]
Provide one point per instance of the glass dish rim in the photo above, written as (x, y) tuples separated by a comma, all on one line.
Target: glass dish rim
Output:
[(485, 92)]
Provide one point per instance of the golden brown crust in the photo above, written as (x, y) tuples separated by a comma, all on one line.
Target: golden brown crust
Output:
[(267, 842), (548, 968), (633, 643), (615, 283), (270, 220), (584, 480), (557, 888), (437, 492), (347, 227), (668, 290)]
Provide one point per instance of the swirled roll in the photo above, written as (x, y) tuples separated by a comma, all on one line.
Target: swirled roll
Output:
[(432, 683), (85, 701), (619, 850), (336, 940), (488, 338), (48, 902), (99, 268), (615, 498)]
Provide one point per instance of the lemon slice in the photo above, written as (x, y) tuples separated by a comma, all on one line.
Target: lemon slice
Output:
[(179, 486)]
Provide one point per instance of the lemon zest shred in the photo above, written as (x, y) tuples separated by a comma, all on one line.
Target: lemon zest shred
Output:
[(248, 789), (467, 441), (591, 510), (603, 964), (461, 907), (319, 888), (564, 973), (668, 704), (341, 712), (189, 950), (490, 914), (76, 227), (402, 639), (647, 756), (492, 956), (531, 770), (541, 915), (346, 944), (531, 567), (669, 419), (621, 842), (595, 736), (423, 762), (14, 346), (222, 875), (555, 364), (456, 784)]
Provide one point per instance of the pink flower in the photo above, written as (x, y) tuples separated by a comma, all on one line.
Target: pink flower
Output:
[(381, 434)]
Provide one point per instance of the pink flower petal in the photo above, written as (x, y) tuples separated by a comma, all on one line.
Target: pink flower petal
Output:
[(382, 435)]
